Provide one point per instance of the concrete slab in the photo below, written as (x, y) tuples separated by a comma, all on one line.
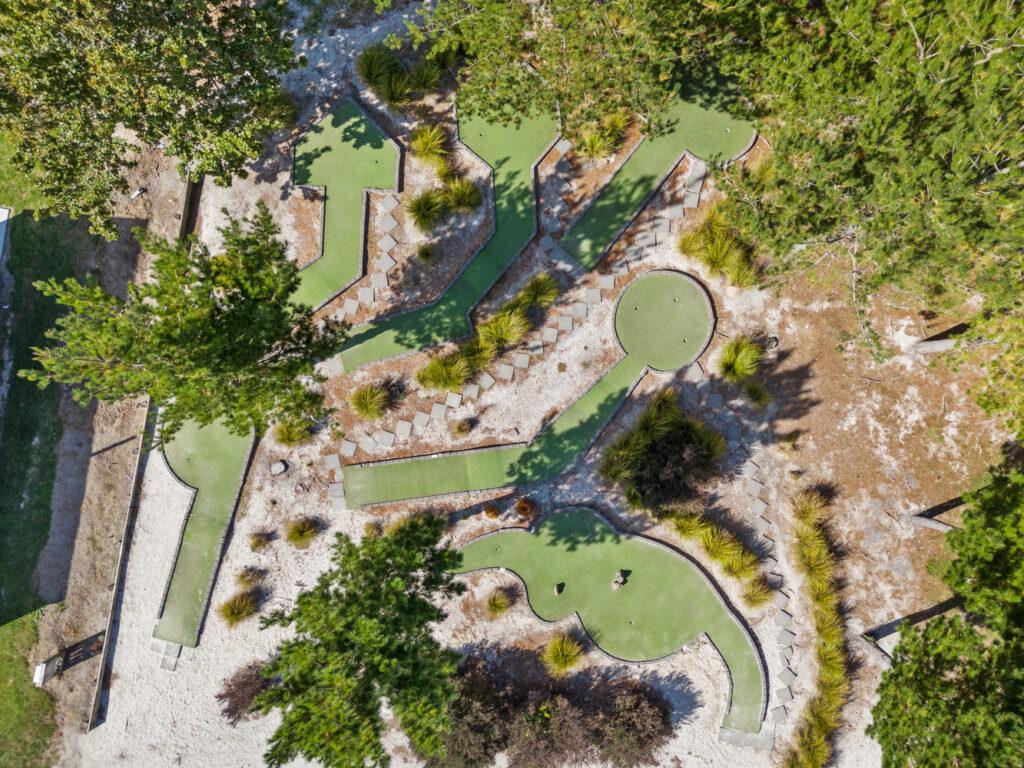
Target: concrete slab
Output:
[(389, 203), (535, 347), (593, 295), (752, 487), (379, 280), (338, 504), (388, 223), (787, 653), (334, 366), (348, 448), (758, 507), (386, 243), (714, 401), (386, 263), (454, 400), (787, 676), (564, 323), (368, 444), (385, 438), (634, 252), (438, 411), (420, 419), (691, 199), (336, 490), (563, 167), (486, 381), (547, 243), (549, 334), (579, 310), (783, 695), (761, 525), (350, 307), (505, 372), (471, 391), (675, 211), (735, 432), (606, 282), (403, 428), (764, 742), (783, 619), (331, 461), (620, 268), (780, 600), (779, 714), (563, 146), (646, 239), (366, 295), (522, 360), (786, 637), (662, 226)]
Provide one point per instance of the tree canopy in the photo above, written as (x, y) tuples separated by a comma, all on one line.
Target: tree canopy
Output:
[(363, 633), (207, 337), (198, 75)]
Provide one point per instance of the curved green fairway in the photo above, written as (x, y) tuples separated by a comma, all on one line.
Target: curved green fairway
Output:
[(665, 603), (696, 122), (511, 151), (345, 153), (211, 460)]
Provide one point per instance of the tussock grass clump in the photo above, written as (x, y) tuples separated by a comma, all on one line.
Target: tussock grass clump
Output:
[(301, 531), (498, 602), (370, 402), (561, 654), (426, 252), (595, 145), (758, 395), (430, 144), (756, 592), (715, 245), (395, 91), (504, 329), (239, 607), (377, 63), (719, 544), (818, 564), (447, 372), (463, 195), (740, 359), (427, 209), (424, 75), (541, 292), (292, 432), (259, 539), (250, 576)]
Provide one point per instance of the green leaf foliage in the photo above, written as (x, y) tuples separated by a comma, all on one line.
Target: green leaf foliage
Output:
[(363, 633), (210, 336), (202, 77)]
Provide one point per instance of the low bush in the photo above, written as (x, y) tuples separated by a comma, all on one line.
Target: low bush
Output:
[(736, 559), (425, 75), (430, 144), (756, 592), (427, 209), (739, 359), (549, 732), (498, 602), (250, 576), (259, 539), (239, 607), (463, 195), (561, 654), (525, 507), (239, 691), (376, 63), (632, 723), (426, 252), (479, 722), (370, 402), (595, 145), (504, 329), (394, 91), (447, 372), (301, 531), (492, 511), (758, 395), (462, 427), (541, 292), (292, 432), (716, 246)]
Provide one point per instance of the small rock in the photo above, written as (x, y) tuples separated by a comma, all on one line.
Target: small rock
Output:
[(558, 589), (616, 585), (278, 468), (300, 488)]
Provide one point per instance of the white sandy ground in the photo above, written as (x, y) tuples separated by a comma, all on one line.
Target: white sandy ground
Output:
[(159, 718)]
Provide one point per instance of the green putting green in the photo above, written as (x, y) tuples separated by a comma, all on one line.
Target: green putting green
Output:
[(696, 122), (211, 460), (670, 295), (665, 603), (511, 151), (345, 153)]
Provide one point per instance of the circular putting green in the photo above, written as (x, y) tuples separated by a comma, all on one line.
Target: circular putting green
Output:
[(664, 319)]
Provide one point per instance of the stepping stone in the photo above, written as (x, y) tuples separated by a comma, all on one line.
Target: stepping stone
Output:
[(780, 600), (403, 428), (389, 203), (782, 658), (787, 652), (714, 401), (332, 461), (779, 714), (675, 211), (758, 507), (386, 243), (728, 414), (420, 419), (368, 444), (607, 282), (559, 207), (385, 438), (338, 504), (486, 381), (787, 676), (735, 432), (454, 400), (749, 469), (336, 490), (620, 268), (388, 223), (753, 488), (634, 252), (505, 372), (379, 280), (593, 295), (334, 366), (472, 391), (770, 562), (350, 307), (168, 663), (783, 695), (761, 525), (563, 167), (547, 243), (691, 199), (564, 323), (579, 310), (522, 360), (786, 637), (549, 334), (695, 180), (662, 226), (563, 146), (348, 449), (366, 295), (338, 316), (535, 347), (783, 619), (646, 239), (386, 263), (438, 411), (564, 188)]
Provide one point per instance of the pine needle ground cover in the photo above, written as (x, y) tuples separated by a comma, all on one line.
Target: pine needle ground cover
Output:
[(664, 604)]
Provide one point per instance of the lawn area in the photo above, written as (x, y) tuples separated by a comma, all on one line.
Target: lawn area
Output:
[(29, 434), (665, 603), (511, 151), (344, 153), (696, 122)]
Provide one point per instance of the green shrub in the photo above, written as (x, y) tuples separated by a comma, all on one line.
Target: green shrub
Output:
[(634, 722), (377, 63), (758, 395), (259, 539), (370, 402), (492, 511), (713, 244), (525, 507), (239, 607), (504, 329), (445, 59), (301, 531), (426, 252), (561, 654), (740, 359), (292, 432), (430, 144), (463, 195), (427, 209), (595, 145), (498, 602), (447, 372), (424, 75), (462, 427)]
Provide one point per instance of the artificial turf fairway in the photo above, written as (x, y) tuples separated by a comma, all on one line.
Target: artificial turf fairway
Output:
[(694, 122), (211, 460), (663, 318), (665, 603), (511, 151), (344, 153)]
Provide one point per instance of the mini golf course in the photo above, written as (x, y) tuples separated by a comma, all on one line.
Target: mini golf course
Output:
[(663, 321), (665, 603), (511, 151)]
